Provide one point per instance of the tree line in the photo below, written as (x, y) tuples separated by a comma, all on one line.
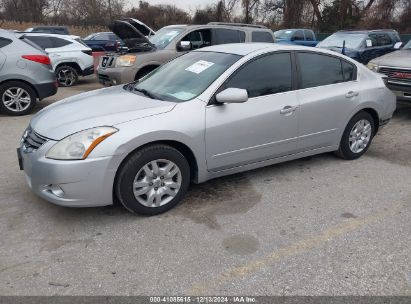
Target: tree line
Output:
[(321, 15)]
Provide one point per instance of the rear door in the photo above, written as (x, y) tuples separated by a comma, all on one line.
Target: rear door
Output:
[(327, 95), (377, 44)]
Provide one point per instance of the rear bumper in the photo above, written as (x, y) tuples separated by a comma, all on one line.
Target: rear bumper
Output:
[(46, 89)]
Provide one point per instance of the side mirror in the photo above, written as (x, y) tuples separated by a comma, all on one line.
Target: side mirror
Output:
[(398, 45), (184, 46), (232, 95)]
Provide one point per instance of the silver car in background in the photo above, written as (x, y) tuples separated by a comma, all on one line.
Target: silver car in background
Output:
[(26, 74), (209, 113)]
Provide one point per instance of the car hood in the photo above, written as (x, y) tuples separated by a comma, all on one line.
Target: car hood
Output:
[(104, 107), (401, 59), (132, 31)]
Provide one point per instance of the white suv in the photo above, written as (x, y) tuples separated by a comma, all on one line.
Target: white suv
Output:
[(70, 57)]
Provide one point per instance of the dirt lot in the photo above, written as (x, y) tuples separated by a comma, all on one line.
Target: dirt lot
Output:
[(317, 226)]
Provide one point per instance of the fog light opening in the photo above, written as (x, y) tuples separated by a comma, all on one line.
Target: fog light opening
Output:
[(55, 190)]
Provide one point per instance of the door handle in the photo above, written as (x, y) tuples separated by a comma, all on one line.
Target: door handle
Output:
[(351, 94), (288, 110)]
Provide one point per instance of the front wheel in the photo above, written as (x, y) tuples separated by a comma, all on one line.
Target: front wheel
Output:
[(357, 136), (152, 180)]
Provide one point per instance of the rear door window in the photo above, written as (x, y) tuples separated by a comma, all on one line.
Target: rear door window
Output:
[(309, 36), (4, 42), (319, 70), (349, 71), (298, 35), (222, 36), (48, 42), (262, 37)]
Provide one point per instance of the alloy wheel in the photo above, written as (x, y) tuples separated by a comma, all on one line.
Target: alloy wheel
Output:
[(66, 77), (16, 99), (360, 136)]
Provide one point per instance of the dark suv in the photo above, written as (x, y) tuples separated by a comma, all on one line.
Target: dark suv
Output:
[(362, 46)]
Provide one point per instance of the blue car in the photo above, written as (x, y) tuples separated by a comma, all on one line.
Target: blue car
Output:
[(103, 42), (362, 46), (304, 37)]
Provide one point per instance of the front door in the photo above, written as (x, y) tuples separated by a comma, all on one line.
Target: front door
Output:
[(264, 127)]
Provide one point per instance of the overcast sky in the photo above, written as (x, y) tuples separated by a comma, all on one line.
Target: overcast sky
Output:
[(184, 4)]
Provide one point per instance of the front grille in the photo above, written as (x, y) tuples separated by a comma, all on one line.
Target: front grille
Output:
[(107, 61), (403, 75), (32, 141)]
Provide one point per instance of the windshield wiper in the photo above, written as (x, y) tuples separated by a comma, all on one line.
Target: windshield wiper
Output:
[(147, 93)]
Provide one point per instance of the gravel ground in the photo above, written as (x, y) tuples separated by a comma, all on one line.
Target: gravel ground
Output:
[(316, 226)]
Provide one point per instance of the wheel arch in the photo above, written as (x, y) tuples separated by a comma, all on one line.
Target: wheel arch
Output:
[(374, 115), (23, 81), (72, 64), (178, 145)]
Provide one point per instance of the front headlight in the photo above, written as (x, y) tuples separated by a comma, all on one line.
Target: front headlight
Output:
[(126, 60), (373, 67), (79, 145)]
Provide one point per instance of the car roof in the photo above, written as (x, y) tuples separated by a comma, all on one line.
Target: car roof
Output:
[(217, 25), (49, 27), (51, 35), (244, 49), (366, 31)]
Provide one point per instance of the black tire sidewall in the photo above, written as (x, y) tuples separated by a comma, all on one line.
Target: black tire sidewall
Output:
[(130, 168), (27, 88), (345, 150), (70, 68)]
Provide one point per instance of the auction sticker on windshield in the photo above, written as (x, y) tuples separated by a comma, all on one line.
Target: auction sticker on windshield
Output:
[(199, 66)]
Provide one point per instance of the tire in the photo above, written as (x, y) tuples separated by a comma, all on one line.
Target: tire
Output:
[(362, 137), (21, 106), (67, 76), (135, 188)]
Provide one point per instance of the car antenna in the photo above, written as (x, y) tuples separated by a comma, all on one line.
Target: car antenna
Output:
[(343, 48)]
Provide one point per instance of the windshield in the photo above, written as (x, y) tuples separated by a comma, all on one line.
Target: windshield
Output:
[(408, 45), (283, 34), (185, 77), (164, 36), (352, 41)]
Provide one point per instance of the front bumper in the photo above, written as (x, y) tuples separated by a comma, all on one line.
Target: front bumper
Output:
[(79, 183), (116, 76), (401, 90)]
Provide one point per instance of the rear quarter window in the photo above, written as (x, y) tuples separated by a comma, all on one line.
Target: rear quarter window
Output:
[(222, 36), (4, 42), (262, 37)]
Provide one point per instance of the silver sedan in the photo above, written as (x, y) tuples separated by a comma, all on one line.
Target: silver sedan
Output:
[(209, 113)]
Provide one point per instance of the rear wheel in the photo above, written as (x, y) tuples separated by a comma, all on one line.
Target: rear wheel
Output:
[(67, 76), (17, 98), (153, 180), (357, 136)]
